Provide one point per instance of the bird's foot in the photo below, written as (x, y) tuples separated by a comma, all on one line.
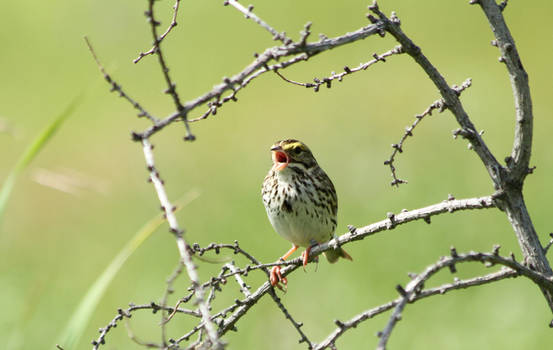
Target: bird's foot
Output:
[(305, 256), (276, 278)]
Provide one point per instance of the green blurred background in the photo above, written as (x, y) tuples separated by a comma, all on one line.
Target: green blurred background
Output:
[(53, 244)]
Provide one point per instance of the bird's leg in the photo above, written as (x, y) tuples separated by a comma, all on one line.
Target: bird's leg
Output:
[(305, 254), (276, 277)]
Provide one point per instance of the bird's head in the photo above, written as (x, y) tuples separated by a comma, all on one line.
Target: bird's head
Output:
[(292, 153)]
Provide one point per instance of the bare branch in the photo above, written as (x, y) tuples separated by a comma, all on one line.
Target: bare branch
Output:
[(117, 88), (448, 206), (211, 297), (181, 244), (458, 284), (172, 25), (519, 160), (449, 95), (517, 164), (393, 220), (302, 51), (510, 198), (171, 86), (398, 147), (297, 325), (508, 182), (339, 76), (248, 13), (413, 287), (241, 307), (152, 307), (244, 288), (169, 290)]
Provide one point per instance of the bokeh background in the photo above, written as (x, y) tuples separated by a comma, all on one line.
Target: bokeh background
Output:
[(54, 243)]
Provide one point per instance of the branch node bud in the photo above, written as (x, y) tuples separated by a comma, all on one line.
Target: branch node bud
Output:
[(401, 291)]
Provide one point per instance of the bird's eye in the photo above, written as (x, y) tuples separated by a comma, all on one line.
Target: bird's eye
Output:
[(297, 150)]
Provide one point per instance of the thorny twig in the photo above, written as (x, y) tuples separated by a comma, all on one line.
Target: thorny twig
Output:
[(172, 25), (181, 244), (509, 179), (240, 308), (302, 51), (449, 95), (117, 88), (347, 70), (409, 293), (168, 290), (171, 86), (297, 325), (398, 147), (122, 313), (457, 284), (248, 13), (210, 298)]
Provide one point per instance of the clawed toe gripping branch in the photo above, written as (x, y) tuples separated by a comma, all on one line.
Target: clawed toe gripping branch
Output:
[(507, 180)]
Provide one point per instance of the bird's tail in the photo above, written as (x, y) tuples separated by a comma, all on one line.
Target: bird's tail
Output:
[(333, 255)]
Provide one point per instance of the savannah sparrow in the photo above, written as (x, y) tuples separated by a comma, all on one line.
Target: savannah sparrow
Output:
[(301, 202)]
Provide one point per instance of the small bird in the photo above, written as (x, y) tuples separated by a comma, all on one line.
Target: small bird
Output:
[(301, 202)]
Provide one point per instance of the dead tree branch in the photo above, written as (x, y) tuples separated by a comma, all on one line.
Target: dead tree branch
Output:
[(181, 244), (443, 289), (390, 223), (248, 13), (327, 81), (508, 180), (449, 95), (398, 147), (116, 87), (410, 291), (301, 51), (172, 25)]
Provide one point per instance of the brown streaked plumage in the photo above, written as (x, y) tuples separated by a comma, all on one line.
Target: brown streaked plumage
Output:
[(300, 201)]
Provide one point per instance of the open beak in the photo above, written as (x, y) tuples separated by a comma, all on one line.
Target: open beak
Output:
[(280, 158)]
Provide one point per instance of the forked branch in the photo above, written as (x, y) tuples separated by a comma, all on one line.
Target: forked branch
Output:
[(507, 180)]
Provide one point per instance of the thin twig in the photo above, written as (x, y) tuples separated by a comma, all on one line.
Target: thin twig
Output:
[(507, 180), (398, 147), (181, 244), (449, 95), (172, 25), (297, 325), (393, 220), (240, 308), (248, 13), (211, 297), (459, 284), (340, 76), (117, 88), (128, 312), (169, 290), (413, 287), (171, 86), (302, 51), (244, 288)]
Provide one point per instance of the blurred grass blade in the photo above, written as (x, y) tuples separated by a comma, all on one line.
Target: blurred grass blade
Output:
[(30, 153), (79, 320)]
